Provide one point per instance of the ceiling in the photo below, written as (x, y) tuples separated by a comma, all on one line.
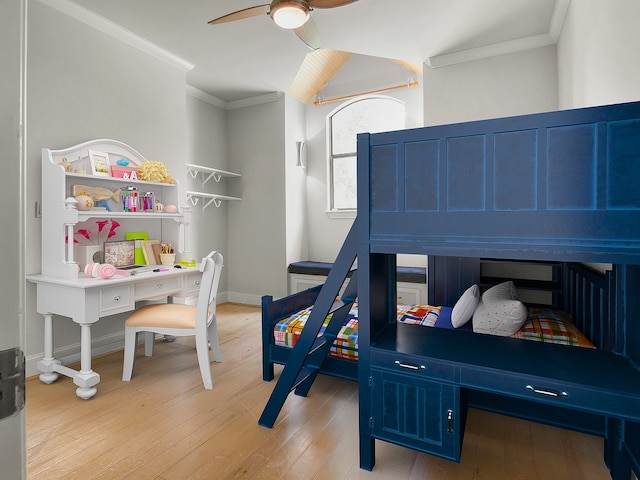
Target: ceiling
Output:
[(251, 57)]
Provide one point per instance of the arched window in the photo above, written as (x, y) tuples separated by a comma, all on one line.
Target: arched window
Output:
[(367, 114)]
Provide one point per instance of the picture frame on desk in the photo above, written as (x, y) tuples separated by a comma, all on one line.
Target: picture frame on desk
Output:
[(99, 163)]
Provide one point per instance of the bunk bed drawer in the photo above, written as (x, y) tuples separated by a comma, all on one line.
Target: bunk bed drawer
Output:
[(549, 391), (412, 364), (414, 412)]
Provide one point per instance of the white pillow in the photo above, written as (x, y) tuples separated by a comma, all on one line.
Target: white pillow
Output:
[(465, 306), (500, 312)]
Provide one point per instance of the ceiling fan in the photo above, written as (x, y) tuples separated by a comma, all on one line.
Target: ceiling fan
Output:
[(290, 14)]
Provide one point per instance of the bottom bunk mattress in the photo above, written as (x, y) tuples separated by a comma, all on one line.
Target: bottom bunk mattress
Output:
[(543, 324)]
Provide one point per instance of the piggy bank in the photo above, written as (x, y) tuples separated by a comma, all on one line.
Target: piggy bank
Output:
[(85, 202)]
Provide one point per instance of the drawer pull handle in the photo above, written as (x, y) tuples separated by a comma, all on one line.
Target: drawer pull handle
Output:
[(410, 366), (449, 421), (197, 283), (159, 286), (116, 298), (549, 393)]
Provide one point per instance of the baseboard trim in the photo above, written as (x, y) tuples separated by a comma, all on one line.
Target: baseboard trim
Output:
[(246, 298)]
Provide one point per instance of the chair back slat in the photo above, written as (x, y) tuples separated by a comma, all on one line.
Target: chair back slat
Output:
[(207, 296)]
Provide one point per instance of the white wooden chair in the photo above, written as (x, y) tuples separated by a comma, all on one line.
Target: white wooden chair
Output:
[(180, 320)]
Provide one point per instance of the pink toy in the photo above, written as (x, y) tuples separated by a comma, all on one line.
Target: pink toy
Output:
[(103, 270)]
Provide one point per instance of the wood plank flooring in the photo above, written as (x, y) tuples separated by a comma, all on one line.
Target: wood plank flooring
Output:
[(163, 425)]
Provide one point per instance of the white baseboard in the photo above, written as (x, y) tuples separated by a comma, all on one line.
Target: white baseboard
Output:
[(246, 298)]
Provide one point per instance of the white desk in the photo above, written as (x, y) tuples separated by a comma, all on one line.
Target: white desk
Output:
[(85, 300)]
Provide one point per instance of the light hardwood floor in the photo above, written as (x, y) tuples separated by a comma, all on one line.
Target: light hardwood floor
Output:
[(164, 426)]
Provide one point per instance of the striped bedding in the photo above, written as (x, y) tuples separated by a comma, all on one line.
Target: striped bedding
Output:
[(543, 325)]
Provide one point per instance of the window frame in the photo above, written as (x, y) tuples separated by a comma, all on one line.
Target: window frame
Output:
[(330, 157)]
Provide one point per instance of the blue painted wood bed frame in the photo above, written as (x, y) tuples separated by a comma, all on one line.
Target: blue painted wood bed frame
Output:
[(560, 186), (550, 187)]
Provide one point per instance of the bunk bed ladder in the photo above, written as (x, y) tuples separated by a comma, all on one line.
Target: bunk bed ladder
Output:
[(311, 348)]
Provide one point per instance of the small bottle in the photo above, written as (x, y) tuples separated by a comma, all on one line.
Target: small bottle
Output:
[(148, 202), (130, 199)]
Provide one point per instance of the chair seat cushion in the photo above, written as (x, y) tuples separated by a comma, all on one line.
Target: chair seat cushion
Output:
[(166, 315)]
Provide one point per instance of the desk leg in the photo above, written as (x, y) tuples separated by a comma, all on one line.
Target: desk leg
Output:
[(86, 379), (48, 364)]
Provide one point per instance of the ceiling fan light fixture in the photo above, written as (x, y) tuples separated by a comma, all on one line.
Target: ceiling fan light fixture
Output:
[(290, 14)]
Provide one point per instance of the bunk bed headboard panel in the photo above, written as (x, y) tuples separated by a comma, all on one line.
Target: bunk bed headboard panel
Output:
[(552, 186)]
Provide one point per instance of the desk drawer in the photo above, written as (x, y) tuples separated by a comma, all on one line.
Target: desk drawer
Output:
[(158, 287), (192, 283), (413, 365), (116, 299)]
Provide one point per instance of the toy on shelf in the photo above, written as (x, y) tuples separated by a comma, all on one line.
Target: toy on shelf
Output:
[(100, 195), (154, 171)]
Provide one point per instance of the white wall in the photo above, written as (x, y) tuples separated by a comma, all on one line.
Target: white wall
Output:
[(84, 84), (505, 85), (257, 224), (598, 53), (297, 235), (207, 146)]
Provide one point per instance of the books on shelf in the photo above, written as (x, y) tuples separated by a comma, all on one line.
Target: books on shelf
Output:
[(148, 252)]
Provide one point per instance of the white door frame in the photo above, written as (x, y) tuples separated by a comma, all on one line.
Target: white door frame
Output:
[(13, 38)]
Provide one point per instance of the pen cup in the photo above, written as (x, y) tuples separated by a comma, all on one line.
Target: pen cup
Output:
[(167, 258)]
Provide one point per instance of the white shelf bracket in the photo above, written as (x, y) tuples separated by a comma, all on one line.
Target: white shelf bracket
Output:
[(193, 200), (192, 172), (216, 201), (216, 176)]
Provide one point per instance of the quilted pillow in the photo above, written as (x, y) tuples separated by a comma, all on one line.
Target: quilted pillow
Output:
[(465, 306), (500, 312)]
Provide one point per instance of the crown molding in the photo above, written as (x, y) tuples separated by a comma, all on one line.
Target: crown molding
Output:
[(235, 104), (205, 97), (512, 46), (488, 51), (87, 17), (251, 101)]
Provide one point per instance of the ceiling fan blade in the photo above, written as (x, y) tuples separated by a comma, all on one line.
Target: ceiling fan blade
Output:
[(309, 34), (241, 14), (328, 3)]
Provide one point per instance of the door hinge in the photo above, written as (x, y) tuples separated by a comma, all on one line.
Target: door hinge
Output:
[(12, 393), (370, 423), (370, 382)]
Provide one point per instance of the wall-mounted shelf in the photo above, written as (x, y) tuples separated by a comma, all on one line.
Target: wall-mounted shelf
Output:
[(208, 173), (208, 198)]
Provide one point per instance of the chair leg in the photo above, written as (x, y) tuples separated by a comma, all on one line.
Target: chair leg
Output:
[(149, 343), (214, 342), (202, 349), (130, 340)]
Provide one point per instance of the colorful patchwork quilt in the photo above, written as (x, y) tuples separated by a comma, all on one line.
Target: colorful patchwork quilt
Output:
[(552, 326), (543, 325)]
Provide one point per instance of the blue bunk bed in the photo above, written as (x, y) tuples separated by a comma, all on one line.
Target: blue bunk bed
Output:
[(557, 187), (553, 187)]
